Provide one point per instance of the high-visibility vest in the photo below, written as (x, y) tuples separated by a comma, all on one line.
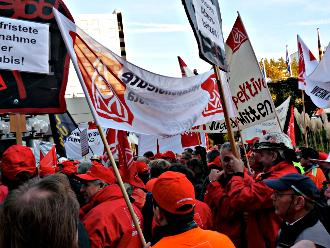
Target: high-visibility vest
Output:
[(299, 167)]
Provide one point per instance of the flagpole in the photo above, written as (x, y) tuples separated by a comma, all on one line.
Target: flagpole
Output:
[(268, 92), (304, 118), (319, 44), (244, 149), (225, 111), (103, 137)]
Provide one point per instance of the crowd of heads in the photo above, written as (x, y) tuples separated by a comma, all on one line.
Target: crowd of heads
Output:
[(52, 196)]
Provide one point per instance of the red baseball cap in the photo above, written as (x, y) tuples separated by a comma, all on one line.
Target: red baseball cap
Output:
[(98, 172), (69, 167), (174, 193), (169, 154), (141, 166), (16, 159)]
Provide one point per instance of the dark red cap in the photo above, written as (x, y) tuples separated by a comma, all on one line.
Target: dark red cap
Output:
[(98, 172), (168, 154), (174, 193), (16, 159)]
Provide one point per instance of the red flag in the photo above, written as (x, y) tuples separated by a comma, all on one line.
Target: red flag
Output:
[(48, 162), (290, 131), (190, 139)]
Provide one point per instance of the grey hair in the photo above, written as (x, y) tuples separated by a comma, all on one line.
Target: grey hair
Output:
[(227, 146)]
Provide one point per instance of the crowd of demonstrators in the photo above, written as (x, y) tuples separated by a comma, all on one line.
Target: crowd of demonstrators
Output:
[(198, 198)]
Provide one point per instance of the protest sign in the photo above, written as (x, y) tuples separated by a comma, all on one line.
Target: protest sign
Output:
[(36, 91), (24, 45), (73, 146), (247, 85), (205, 20), (268, 126), (125, 97)]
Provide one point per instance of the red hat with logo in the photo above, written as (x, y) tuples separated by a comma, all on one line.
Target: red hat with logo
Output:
[(98, 172), (16, 159), (174, 193), (168, 154)]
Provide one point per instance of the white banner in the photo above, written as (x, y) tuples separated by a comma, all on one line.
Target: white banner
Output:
[(24, 45), (72, 143), (173, 143), (249, 90), (318, 83), (126, 97), (268, 126)]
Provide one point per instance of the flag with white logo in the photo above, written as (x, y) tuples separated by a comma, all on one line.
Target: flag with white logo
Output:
[(126, 97), (249, 90)]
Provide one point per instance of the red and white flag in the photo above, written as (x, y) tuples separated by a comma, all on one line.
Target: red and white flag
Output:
[(249, 90), (291, 131), (49, 160), (307, 63), (185, 71), (125, 97)]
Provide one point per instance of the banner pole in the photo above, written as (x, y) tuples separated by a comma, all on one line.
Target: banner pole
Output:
[(304, 119), (225, 111), (245, 153)]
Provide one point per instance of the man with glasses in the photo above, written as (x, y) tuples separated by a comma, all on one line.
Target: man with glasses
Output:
[(294, 199), (105, 215)]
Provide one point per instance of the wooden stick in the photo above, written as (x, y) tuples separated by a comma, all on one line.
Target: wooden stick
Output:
[(225, 111), (304, 119), (245, 153)]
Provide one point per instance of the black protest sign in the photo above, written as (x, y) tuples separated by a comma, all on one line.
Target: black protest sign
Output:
[(31, 92), (205, 20)]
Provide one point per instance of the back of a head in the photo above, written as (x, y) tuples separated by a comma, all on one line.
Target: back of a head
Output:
[(184, 170), (307, 152), (40, 213), (158, 166), (211, 155), (18, 165)]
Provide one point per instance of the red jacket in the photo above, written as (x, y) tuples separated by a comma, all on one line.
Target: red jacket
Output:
[(108, 221), (226, 219), (254, 196), (203, 215)]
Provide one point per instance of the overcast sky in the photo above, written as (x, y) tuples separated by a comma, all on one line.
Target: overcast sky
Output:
[(156, 32)]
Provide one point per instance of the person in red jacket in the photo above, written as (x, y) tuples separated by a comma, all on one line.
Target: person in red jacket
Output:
[(253, 195), (106, 216), (226, 219)]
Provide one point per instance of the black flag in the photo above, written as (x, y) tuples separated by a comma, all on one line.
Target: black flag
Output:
[(62, 125)]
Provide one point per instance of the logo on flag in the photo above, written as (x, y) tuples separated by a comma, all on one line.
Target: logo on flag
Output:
[(214, 106)]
